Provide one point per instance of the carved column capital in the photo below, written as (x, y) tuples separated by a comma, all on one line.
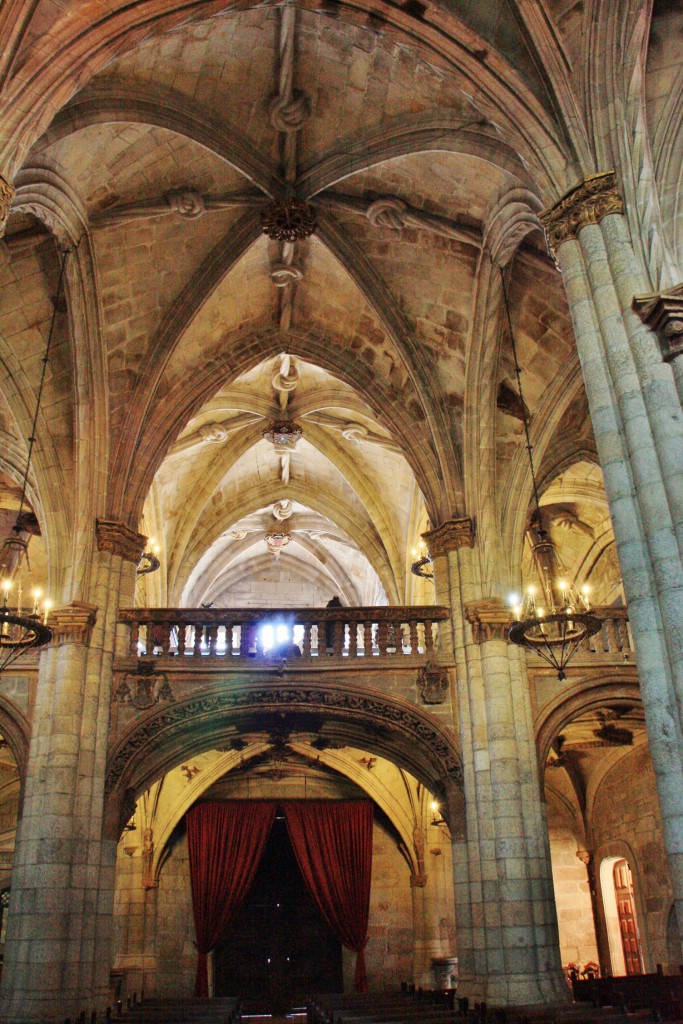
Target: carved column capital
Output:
[(73, 624), (490, 620), (7, 194), (662, 312), (586, 203), (585, 856), (449, 536), (120, 539)]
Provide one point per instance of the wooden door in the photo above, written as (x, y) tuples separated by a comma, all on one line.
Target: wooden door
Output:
[(630, 939)]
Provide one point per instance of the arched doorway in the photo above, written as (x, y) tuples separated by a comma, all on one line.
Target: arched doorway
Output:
[(279, 947), (154, 939), (618, 896)]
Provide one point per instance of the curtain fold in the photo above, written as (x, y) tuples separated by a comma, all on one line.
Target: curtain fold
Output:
[(225, 842), (332, 840)]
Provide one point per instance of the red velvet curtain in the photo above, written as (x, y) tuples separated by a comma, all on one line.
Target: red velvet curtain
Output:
[(332, 840), (225, 842)]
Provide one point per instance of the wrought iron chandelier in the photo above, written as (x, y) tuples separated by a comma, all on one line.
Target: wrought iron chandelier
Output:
[(422, 566), (149, 560), (23, 623), (554, 619)]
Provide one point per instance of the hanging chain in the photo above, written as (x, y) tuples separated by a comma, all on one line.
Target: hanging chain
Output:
[(46, 359), (525, 418)]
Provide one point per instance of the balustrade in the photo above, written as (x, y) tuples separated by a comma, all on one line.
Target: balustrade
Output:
[(325, 633), (614, 641), (305, 633)]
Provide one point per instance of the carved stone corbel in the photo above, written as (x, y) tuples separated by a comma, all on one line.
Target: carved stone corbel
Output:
[(7, 194), (449, 536), (120, 539), (662, 312), (490, 620), (73, 624)]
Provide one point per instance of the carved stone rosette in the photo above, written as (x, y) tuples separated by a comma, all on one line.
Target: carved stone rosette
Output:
[(490, 620), (7, 194), (73, 624), (587, 203), (449, 536), (663, 314), (120, 539)]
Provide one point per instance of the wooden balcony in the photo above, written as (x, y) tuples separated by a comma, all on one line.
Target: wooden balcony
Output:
[(308, 634)]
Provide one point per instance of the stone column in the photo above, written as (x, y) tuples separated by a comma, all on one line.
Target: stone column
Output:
[(508, 947), (636, 417), (57, 953), (663, 314)]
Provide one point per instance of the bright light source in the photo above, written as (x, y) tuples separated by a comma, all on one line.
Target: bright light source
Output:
[(267, 638), (275, 634)]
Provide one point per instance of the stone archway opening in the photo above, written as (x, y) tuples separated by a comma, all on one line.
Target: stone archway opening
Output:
[(412, 913)]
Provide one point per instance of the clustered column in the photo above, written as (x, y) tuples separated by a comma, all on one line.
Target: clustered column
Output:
[(59, 922), (638, 425), (508, 947)]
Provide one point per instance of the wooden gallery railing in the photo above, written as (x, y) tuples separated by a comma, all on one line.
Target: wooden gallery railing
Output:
[(283, 632)]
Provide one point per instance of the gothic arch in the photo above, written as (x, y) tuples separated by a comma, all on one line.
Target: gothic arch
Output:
[(15, 728), (352, 715), (376, 789), (582, 697), (183, 400)]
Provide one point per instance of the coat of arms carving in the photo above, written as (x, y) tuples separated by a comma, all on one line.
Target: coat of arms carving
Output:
[(143, 690), (432, 682)]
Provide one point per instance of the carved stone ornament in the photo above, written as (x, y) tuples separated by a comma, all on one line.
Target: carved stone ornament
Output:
[(283, 274), (214, 433), (490, 620), (187, 203), (144, 691), (663, 314), (449, 536), (7, 194), (283, 435), (120, 539), (394, 718), (587, 203), (288, 115), (73, 624), (432, 682), (289, 220), (387, 213)]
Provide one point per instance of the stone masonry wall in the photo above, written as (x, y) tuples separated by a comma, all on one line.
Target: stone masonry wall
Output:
[(627, 820), (572, 896)]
